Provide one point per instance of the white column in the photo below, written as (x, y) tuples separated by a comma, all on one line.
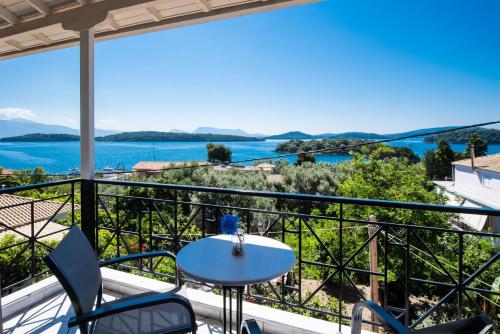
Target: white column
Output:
[(87, 122)]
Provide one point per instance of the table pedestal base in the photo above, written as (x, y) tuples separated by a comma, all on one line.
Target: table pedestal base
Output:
[(227, 292)]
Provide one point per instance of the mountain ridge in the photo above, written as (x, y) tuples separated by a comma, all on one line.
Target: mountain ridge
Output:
[(222, 131), (19, 127)]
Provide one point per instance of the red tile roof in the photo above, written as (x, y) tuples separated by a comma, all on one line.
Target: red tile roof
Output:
[(15, 211)]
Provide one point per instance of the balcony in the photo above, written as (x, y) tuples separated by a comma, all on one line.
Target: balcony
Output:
[(345, 252)]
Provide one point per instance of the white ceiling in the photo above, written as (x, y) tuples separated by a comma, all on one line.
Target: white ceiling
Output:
[(31, 26)]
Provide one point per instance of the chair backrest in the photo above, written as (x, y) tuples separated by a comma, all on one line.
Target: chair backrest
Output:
[(75, 265)]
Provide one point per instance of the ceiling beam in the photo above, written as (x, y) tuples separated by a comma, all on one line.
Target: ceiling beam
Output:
[(8, 16), (110, 21), (15, 44), (40, 6), (166, 23), (42, 38), (74, 19), (205, 6), (154, 13)]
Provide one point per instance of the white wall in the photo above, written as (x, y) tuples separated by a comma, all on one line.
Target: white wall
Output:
[(483, 184)]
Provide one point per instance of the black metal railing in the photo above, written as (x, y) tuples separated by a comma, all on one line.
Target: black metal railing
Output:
[(30, 228), (420, 255)]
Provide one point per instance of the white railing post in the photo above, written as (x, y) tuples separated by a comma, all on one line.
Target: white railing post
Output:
[(87, 118)]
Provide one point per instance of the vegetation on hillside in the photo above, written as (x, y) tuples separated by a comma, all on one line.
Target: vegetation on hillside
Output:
[(490, 136), (343, 146), (155, 136), (294, 146)]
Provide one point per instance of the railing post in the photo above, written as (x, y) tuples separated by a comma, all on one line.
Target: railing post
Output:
[(1, 318), (1, 321), (407, 278), (32, 240), (373, 267), (460, 273), (88, 202), (341, 262), (177, 246)]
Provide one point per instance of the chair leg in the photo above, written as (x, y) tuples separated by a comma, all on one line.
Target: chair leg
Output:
[(84, 328)]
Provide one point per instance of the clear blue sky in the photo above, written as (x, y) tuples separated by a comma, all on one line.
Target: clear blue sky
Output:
[(334, 66)]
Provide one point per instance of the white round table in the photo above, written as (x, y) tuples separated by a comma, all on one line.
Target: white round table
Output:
[(210, 260)]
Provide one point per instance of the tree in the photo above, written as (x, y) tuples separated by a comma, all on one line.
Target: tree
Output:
[(383, 151), (438, 162), (305, 157), (480, 146), (218, 153)]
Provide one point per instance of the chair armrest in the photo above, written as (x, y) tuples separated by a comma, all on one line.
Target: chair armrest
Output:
[(249, 326), (137, 256), (132, 304), (387, 320)]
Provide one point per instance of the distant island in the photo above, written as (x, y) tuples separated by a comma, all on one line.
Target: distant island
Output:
[(490, 136), (42, 137), (139, 136), (292, 135), (294, 146), (298, 135), (19, 130), (155, 136)]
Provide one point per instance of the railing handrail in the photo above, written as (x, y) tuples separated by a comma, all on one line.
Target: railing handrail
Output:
[(37, 186), (311, 198), (270, 194)]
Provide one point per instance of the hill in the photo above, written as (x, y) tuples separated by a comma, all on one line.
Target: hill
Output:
[(41, 137), (291, 135), (419, 131), (350, 135), (19, 127), (230, 132), (155, 136), (490, 136)]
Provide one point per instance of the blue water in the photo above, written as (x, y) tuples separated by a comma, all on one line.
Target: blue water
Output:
[(61, 156)]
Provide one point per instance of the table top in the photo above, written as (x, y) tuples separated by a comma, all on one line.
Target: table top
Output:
[(210, 260)]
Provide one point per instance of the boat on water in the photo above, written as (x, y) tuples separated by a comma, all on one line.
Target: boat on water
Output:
[(74, 171), (120, 168), (108, 170)]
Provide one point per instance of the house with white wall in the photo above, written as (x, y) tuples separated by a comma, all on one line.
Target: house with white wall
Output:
[(476, 183)]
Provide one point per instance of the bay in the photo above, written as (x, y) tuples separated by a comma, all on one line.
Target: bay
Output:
[(59, 157)]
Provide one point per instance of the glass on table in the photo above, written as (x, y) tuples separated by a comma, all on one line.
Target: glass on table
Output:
[(238, 241)]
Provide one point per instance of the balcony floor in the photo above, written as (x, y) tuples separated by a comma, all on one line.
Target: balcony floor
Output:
[(51, 317), (44, 307)]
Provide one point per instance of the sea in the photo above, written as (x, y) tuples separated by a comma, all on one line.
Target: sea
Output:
[(60, 157)]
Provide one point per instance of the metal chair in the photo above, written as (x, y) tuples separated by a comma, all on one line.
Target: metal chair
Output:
[(474, 325), (250, 326), (74, 264)]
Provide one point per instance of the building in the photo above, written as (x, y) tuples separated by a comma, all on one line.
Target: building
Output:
[(17, 214), (266, 168), (146, 169), (475, 185), (6, 171)]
